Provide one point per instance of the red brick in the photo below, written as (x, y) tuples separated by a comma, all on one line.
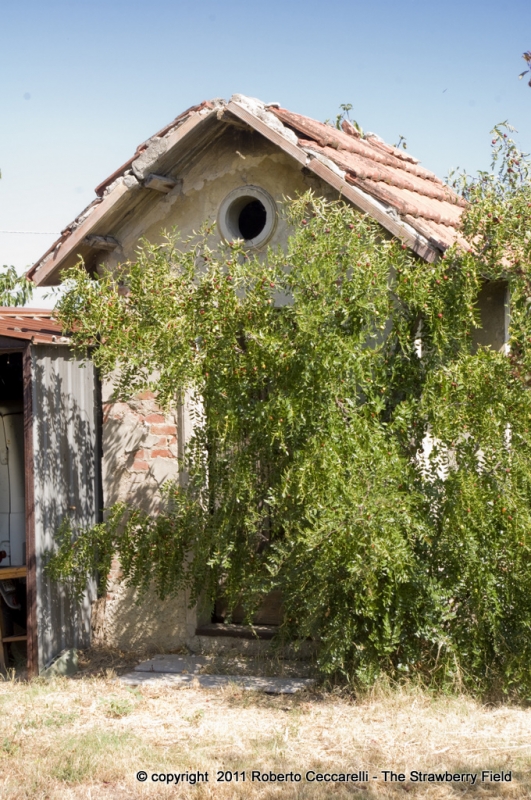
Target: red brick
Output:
[(154, 418), (163, 441), (168, 430), (145, 396), (172, 440), (161, 454), (141, 455), (141, 466)]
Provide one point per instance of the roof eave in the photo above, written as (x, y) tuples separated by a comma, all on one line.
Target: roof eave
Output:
[(46, 272), (31, 325)]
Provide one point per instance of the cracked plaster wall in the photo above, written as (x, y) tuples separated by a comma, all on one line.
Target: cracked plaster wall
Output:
[(236, 159), (140, 447)]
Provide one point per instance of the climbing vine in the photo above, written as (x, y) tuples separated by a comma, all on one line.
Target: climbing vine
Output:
[(353, 446)]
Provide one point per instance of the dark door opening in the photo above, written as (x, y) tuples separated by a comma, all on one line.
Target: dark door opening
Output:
[(13, 606)]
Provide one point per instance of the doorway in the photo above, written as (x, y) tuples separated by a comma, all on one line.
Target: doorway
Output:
[(13, 604)]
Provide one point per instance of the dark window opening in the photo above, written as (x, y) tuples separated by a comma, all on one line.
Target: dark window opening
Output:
[(11, 388), (252, 220), (492, 303)]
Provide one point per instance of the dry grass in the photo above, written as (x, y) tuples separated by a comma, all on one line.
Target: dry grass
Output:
[(88, 737)]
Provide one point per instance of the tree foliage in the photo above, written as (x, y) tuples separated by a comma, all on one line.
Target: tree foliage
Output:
[(527, 58), (14, 290), (309, 469)]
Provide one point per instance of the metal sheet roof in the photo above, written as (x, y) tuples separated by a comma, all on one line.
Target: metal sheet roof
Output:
[(383, 181), (31, 324)]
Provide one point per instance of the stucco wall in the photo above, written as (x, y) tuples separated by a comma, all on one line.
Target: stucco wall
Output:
[(119, 620), (238, 158)]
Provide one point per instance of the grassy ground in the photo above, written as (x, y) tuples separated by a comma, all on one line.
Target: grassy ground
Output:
[(88, 737)]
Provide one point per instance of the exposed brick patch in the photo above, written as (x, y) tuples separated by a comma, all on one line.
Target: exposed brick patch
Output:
[(161, 454), (140, 466), (154, 418), (141, 446), (168, 430)]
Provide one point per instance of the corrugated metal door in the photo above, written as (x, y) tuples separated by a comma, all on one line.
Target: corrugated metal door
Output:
[(66, 480)]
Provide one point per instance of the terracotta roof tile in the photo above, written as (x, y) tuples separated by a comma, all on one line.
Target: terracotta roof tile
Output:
[(141, 147), (437, 232), (361, 167), (386, 173), (371, 147)]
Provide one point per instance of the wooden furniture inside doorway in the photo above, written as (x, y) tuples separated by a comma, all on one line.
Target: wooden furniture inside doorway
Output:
[(9, 573)]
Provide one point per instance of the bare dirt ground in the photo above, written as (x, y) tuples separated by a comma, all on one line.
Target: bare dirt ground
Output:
[(89, 736)]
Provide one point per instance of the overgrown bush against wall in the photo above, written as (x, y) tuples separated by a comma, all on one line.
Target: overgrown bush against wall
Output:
[(309, 469)]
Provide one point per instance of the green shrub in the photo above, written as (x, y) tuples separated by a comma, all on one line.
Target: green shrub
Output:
[(309, 470)]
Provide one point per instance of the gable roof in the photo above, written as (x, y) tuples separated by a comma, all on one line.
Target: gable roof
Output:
[(406, 199)]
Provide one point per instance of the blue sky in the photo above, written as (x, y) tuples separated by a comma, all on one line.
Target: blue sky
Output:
[(82, 83)]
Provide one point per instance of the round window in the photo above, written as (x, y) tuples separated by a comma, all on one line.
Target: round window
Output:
[(248, 213)]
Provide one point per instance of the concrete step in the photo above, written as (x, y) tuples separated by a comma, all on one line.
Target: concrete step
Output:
[(264, 666), (181, 671), (170, 663)]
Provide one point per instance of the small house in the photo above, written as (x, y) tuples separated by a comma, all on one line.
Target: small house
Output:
[(230, 162)]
